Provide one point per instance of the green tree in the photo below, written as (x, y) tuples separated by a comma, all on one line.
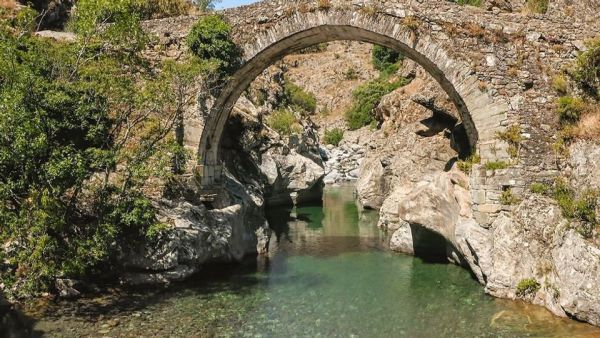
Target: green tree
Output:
[(210, 40), (87, 131), (386, 58)]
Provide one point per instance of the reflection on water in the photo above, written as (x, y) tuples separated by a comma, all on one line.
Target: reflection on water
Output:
[(327, 275)]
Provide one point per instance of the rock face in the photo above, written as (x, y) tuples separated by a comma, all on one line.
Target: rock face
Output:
[(54, 13), (371, 185), (531, 242), (199, 235), (292, 175), (287, 169)]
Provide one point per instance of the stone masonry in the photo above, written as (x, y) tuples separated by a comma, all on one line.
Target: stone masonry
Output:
[(495, 66)]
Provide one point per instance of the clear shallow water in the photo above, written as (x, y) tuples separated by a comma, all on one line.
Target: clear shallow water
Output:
[(327, 276)]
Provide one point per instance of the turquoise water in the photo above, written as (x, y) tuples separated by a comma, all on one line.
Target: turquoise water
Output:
[(327, 275)]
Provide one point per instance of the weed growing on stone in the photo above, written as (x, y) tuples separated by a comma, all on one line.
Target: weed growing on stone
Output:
[(508, 198), (527, 287), (560, 84), (333, 136), (513, 137), (539, 188), (476, 3), (496, 165), (537, 6), (578, 207), (467, 165)]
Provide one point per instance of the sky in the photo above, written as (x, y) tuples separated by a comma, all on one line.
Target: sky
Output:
[(233, 3)]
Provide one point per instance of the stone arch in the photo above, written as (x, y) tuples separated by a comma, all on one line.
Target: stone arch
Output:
[(481, 114)]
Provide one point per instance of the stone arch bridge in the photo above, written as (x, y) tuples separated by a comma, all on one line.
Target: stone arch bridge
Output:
[(495, 66)]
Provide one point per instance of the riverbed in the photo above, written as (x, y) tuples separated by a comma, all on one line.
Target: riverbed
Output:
[(327, 275)]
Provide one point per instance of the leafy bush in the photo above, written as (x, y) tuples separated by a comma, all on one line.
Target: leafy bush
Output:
[(83, 132), (587, 69), (333, 136), (284, 122), (496, 165), (537, 6), (297, 97), (366, 98), (527, 287), (582, 208), (210, 40), (385, 58), (569, 109)]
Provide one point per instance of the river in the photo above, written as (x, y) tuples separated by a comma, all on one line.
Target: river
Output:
[(327, 275)]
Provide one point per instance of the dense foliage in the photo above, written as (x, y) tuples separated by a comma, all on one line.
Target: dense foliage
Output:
[(299, 99), (386, 59), (366, 98), (333, 136), (210, 40), (587, 69), (284, 122), (88, 129), (578, 108)]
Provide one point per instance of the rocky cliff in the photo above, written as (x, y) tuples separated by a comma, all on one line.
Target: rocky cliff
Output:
[(531, 251)]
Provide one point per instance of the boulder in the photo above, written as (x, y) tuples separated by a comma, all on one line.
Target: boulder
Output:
[(577, 266), (371, 185), (197, 236)]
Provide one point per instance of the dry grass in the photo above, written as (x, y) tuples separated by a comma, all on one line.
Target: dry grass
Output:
[(324, 4), (476, 30), (8, 4), (411, 23), (588, 126)]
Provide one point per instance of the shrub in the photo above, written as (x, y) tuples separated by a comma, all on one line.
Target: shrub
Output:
[(411, 23), (560, 84), (582, 208), (537, 6), (210, 40), (476, 3), (569, 109), (298, 98), (467, 165), (496, 165), (513, 137), (527, 287), (508, 198), (539, 188), (333, 136), (587, 69), (351, 74), (72, 177), (383, 58), (284, 122), (366, 98)]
